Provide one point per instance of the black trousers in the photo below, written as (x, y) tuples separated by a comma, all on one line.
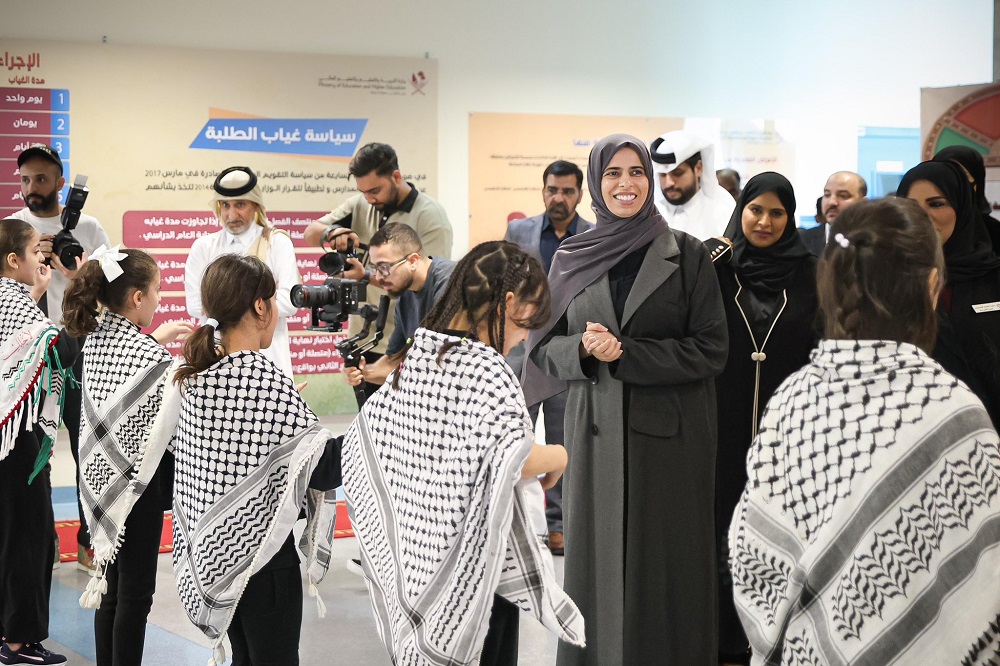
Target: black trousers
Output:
[(500, 648), (72, 409), (268, 620), (27, 540), (120, 622)]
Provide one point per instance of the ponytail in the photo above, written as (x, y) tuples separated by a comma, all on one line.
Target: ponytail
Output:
[(80, 302), (231, 286), (90, 290)]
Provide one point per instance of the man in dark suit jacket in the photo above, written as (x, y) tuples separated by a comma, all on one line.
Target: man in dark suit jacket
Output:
[(540, 236), (843, 190), (814, 238)]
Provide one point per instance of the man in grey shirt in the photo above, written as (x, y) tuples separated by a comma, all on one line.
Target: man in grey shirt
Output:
[(416, 281)]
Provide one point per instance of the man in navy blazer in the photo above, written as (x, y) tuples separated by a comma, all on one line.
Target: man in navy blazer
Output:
[(540, 236)]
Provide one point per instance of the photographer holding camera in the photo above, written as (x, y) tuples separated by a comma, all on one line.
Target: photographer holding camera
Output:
[(415, 280), (383, 197), (42, 179)]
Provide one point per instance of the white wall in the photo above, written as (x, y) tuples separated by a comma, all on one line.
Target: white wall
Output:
[(848, 63)]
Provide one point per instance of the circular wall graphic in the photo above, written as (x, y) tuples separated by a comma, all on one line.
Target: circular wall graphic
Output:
[(973, 121)]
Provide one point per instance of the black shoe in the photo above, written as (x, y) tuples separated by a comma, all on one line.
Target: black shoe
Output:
[(30, 653)]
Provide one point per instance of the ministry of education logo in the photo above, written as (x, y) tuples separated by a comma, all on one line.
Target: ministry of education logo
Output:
[(418, 80)]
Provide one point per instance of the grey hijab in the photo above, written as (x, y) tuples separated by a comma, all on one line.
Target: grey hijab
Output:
[(583, 258)]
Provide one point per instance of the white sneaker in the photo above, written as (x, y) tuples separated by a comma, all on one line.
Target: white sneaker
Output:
[(354, 566)]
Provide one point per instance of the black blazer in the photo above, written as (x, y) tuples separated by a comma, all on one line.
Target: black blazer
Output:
[(814, 239), (968, 342)]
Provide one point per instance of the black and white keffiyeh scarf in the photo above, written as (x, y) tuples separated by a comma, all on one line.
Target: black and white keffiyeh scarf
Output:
[(869, 529), (30, 367), (245, 447), (432, 476), (124, 374)]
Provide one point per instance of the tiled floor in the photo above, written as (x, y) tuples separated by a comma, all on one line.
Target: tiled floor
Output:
[(345, 636)]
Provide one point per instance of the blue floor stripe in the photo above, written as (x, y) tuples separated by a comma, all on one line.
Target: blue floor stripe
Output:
[(64, 495), (66, 511), (73, 627)]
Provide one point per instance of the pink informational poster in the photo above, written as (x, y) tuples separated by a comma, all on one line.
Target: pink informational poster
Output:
[(152, 127)]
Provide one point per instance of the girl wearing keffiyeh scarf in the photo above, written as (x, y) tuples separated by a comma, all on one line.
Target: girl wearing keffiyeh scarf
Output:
[(869, 529), (435, 471), (33, 355), (125, 485), (249, 455)]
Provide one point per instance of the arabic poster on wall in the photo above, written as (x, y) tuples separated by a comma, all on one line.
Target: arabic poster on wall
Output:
[(509, 152), (964, 116), (153, 127)]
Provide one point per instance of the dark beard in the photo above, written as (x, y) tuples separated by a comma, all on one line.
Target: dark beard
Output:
[(393, 199), (685, 197), (47, 202), (559, 213)]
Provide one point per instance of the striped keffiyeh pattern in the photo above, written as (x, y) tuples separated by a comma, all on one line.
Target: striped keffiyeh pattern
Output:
[(432, 476), (869, 530)]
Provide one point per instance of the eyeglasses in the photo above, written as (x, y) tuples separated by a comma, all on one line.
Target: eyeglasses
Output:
[(384, 268)]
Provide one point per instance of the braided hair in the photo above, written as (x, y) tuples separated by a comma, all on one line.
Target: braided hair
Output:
[(477, 293), (873, 278)]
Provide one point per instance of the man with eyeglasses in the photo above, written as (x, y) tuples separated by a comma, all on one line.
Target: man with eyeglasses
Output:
[(540, 236), (383, 197), (415, 280)]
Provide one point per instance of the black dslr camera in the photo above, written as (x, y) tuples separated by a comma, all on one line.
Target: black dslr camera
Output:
[(64, 244), (335, 299)]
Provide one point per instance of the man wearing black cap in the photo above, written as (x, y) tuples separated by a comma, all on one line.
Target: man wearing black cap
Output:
[(42, 179), (239, 205)]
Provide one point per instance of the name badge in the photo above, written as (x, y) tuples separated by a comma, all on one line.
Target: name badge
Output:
[(980, 308)]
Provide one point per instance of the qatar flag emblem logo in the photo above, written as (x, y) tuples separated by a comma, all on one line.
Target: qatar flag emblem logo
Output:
[(418, 81)]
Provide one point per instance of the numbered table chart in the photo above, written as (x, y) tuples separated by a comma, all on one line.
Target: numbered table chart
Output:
[(27, 116)]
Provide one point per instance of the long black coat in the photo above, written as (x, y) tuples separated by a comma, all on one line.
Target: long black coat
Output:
[(788, 346), (639, 490), (968, 343)]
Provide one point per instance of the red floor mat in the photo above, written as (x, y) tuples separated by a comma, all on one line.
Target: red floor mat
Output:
[(66, 529)]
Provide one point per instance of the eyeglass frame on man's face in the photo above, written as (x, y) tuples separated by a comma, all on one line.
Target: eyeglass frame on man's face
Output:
[(385, 268)]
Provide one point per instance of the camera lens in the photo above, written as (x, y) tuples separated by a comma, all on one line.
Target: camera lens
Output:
[(305, 296), (67, 248)]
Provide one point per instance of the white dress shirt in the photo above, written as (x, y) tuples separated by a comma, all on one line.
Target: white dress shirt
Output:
[(280, 259), (700, 217)]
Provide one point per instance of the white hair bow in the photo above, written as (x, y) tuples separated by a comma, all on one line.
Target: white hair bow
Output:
[(108, 259)]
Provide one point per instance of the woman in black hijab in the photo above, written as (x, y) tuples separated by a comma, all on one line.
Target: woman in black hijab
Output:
[(768, 283), (638, 335), (968, 343), (972, 163)]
